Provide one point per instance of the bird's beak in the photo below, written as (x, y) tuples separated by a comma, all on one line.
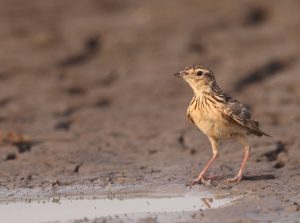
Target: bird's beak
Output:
[(180, 74)]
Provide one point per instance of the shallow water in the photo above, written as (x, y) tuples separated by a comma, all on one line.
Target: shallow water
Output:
[(71, 209)]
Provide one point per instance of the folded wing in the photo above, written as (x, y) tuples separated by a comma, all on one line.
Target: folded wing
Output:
[(238, 113)]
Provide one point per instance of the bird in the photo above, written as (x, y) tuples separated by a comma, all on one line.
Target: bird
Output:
[(218, 116)]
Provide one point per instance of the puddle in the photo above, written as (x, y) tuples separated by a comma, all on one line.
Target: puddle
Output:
[(63, 210)]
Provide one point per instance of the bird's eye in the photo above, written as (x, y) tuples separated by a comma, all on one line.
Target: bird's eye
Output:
[(199, 73)]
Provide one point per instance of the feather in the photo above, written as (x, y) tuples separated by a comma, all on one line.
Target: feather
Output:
[(242, 116)]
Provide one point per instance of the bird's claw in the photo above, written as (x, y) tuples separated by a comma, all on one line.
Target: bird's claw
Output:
[(199, 180), (236, 179), (204, 180)]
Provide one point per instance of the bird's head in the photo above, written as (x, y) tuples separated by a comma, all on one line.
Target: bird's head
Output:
[(198, 77)]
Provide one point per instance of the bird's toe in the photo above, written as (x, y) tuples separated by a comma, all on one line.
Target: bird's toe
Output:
[(236, 179)]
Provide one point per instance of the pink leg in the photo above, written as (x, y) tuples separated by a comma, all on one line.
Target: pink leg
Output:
[(201, 177), (239, 176)]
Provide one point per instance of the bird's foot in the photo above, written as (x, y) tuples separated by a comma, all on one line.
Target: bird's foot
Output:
[(236, 179), (198, 180), (203, 180)]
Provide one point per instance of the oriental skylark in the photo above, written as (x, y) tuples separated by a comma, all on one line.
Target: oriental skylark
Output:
[(217, 115)]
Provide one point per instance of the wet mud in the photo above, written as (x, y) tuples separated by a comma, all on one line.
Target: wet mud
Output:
[(91, 83)]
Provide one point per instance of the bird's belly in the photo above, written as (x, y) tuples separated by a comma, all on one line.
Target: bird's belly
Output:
[(212, 128), (216, 127), (206, 126)]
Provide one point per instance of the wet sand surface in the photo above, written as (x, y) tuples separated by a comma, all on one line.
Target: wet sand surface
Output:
[(91, 82), (130, 207)]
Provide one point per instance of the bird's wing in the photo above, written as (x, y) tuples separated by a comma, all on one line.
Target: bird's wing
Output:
[(237, 112), (235, 108)]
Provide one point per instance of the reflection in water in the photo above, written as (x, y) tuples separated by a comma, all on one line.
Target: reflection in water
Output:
[(207, 202), (66, 209)]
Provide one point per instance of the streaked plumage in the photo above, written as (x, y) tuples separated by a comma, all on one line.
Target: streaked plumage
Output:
[(216, 114)]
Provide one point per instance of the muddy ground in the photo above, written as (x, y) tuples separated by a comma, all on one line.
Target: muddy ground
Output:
[(91, 82)]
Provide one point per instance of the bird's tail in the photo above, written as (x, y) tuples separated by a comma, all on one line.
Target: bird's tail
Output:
[(260, 133), (257, 131)]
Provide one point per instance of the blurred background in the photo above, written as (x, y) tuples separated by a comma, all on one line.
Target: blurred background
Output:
[(91, 83)]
